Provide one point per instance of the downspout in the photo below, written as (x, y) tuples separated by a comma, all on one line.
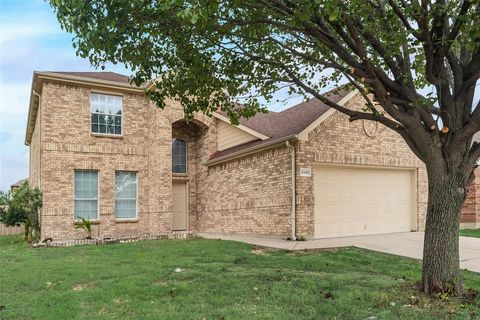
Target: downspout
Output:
[(294, 191), (39, 112)]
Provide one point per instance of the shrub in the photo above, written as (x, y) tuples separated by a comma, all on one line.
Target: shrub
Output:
[(86, 225), (22, 207)]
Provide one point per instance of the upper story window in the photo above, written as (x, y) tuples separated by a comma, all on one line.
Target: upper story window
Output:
[(179, 156), (106, 111)]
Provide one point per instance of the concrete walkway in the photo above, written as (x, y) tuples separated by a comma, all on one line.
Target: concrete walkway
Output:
[(407, 244)]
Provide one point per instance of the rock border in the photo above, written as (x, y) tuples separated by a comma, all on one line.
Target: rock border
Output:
[(112, 240)]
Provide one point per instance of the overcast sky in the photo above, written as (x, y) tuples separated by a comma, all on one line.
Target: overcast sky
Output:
[(30, 39)]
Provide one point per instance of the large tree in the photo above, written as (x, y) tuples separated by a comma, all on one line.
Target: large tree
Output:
[(416, 63)]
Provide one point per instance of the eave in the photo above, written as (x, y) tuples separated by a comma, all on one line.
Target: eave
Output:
[(248, 151)]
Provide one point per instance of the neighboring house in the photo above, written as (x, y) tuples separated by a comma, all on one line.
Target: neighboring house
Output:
[(100, 149), (471, 209), (18, 184)]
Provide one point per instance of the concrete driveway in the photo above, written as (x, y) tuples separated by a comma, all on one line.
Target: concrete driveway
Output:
[(407, 244)]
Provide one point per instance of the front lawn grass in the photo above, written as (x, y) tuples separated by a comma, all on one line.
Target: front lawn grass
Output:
[(470, 233), (213, 279)]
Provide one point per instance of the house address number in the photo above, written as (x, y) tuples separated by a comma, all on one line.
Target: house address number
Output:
[(305, 172)]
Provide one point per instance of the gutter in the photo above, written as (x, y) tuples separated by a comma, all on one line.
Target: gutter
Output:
[(248, 151), (88, 81), (39, 111), (294, 191)]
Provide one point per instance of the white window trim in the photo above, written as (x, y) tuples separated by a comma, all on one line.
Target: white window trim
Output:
[(97, 219), (186, 158), (136, 197), (113, 135)]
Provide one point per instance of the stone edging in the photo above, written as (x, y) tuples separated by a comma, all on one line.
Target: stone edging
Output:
[(112, 240)]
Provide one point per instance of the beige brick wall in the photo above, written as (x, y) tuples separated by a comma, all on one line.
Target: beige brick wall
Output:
[(35, 158), (247, 195)]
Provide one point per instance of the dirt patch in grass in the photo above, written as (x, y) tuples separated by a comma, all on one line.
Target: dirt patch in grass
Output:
[(161, 282), (310, 251), (83, 286)]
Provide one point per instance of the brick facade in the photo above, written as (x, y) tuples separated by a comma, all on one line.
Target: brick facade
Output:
[(249, 194)]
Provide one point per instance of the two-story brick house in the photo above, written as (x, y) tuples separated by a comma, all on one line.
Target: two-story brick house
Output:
[(99, 149)]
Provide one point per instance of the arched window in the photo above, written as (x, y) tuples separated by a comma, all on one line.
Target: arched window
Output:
[(179, 156)]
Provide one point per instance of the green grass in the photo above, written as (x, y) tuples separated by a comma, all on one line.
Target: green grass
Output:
[(470, 233), (221, 280)]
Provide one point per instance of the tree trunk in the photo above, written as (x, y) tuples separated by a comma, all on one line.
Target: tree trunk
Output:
[(27, 230), (441, 266)]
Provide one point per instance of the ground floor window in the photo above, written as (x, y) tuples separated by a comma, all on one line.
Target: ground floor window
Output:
[(125, 195), (86, 194)]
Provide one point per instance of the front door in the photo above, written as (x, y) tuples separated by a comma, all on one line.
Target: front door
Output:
[(180, 205)]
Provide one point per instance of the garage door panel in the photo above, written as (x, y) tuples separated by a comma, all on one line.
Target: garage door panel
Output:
[(358, 201)]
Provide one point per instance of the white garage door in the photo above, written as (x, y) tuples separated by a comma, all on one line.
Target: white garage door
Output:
[(353, 201)]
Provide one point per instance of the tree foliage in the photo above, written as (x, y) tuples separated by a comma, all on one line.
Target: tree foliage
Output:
[(22, 208), (4, 198), (416, 63), (200, 50)]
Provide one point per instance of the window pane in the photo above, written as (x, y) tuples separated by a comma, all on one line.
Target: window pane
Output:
[(126, 184), (93, 102), (86, 209), (118, 130), (125, 209), (179, 156)]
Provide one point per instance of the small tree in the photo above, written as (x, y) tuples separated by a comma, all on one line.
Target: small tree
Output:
[(86, 225), (21, 207)]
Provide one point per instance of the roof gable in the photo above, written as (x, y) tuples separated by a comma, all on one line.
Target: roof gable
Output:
[(292, 123), (292, 120)]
